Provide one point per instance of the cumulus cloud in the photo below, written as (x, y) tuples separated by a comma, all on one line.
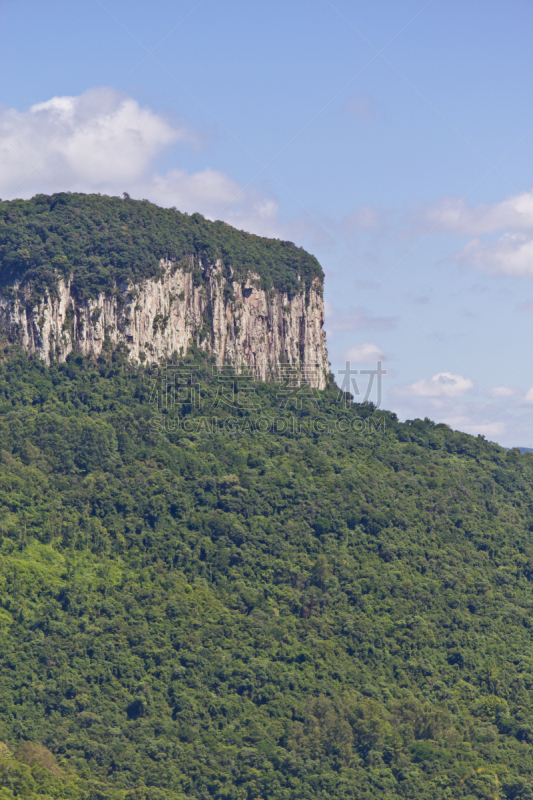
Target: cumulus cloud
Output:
[(511, 255), (444, 384), (104, 141), (365, 353), (96, 138), (528, 398)]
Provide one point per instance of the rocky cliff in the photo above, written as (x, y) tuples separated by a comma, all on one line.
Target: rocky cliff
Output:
[(235, 320)]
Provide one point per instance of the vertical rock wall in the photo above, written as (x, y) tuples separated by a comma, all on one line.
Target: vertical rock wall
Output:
[(239, 323)]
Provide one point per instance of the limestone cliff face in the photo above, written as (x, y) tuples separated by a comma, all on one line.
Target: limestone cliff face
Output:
[(239, 323)]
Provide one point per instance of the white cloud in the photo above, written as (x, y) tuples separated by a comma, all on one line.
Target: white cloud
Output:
[(366, 353), (104, 141), (444, 384), (96, 138), (511, 255), (528, 399), (454, 214), (181, 188), (501, 391), (215, 195)]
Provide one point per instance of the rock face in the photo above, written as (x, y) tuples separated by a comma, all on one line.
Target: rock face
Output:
[(240, 324)]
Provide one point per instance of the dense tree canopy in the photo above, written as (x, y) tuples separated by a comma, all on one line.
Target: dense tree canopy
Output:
[(101, 241), (250, 613)]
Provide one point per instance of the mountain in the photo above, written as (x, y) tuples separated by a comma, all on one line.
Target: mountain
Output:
[(79, 269), (299, 597)]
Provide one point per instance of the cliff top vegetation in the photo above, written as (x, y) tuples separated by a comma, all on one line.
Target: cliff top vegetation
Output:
[(103, 241)]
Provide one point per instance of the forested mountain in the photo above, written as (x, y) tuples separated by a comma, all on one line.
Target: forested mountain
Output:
[(303, 609)]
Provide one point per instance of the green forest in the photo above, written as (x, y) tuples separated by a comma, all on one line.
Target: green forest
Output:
[(103, 243), (295, 613), (271, 594)]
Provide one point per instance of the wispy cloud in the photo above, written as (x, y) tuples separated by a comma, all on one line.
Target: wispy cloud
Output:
[(454, 214), (363, 218), (491, 430), (365, 353), (360, 319), (444, 384), (501, 392), (527, 400), (511, 221)]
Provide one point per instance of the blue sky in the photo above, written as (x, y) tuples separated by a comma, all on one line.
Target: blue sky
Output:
[(393, 140)]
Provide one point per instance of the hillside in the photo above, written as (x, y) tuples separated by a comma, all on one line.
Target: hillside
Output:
[(276, 613)]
